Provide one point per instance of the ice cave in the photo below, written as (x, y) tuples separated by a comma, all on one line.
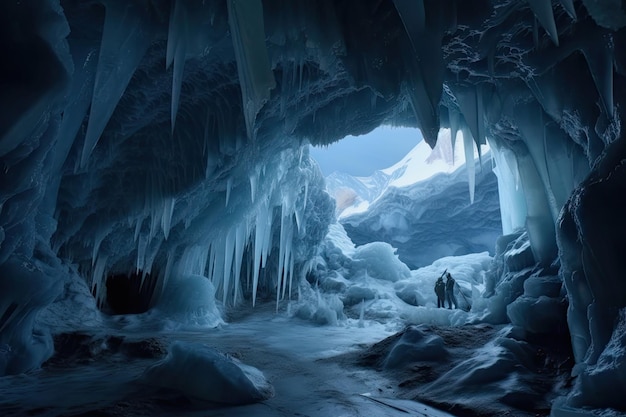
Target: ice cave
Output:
[(169, 247)]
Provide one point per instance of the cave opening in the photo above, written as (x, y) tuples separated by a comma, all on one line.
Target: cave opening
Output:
[(130, 293), (425, 202)]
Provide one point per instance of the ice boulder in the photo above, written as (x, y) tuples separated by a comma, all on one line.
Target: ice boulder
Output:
[(415, 345), (202, 373), (356, 294), (538, 315), (379, 260), (190, 301)]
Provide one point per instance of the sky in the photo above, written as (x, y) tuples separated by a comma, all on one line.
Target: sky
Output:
[(362, 155)]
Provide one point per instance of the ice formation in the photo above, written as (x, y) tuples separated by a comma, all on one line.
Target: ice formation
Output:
[(202, 373), (163, 141)]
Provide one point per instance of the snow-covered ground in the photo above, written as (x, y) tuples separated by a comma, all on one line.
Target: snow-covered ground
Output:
[(295, 356), (363, 337)]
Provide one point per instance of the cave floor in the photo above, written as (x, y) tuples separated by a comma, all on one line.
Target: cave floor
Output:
[(92, 379)]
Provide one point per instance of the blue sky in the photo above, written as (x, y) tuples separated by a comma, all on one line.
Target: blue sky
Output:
[(362, 155)]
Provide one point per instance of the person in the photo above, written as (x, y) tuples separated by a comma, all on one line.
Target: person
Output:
[(440, 290), (450, 291)]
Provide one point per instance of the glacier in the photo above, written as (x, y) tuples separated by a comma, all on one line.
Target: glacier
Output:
[(425, 215), (155, 183)]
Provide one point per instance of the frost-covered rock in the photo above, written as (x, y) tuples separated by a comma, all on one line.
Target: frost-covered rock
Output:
[(415, 345), (378, 260), (200, 372)]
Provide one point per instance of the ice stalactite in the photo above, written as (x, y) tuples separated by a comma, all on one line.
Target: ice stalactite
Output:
[(256, 78), (531, 123), (125, 39), (259, 241), (600, 60), (539, 222), (454, 118), (425, 84), (568, 5), (470, 100), (166, 217), (229, 186), (177, 51), (543, 10), (511, 195), (468, 145), (186, 38)]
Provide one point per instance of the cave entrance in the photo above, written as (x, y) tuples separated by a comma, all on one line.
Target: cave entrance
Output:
[(129, 293), (390, 186)]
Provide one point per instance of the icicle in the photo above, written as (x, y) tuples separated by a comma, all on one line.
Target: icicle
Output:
[(288, 257), (568, 5), (97, 278), (168, 267), (600, 62), (166, 219), (267, 240), (259, 237), (96, 244), (138, 228), (229, 247), (141, 253), (177, 82), (150, 257), (229, 186), (256, 78), (125, 40), (290, 275), (254, 179), (469, 162), (543, 10), (176, 51), (218, 249), (281, 255), (455, 122), (470, 101), (240, 243), (306, 193)]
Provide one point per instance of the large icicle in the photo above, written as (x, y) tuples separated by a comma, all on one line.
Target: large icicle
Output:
[(543, 10), (253, 66), (470, 101), (259, 238), (229, 247), (125, 39), (600, 62), (568, 5), (426, 80), (240, 243), (166, 219), (469, 161)]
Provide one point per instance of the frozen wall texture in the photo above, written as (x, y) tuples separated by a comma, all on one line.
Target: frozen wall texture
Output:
[(164, 139)]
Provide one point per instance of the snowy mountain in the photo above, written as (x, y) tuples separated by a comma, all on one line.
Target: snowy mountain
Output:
[(433, 218), (355, 194)]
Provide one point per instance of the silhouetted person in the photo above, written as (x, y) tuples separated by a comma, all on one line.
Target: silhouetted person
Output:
[(440, 290), (450, 291)]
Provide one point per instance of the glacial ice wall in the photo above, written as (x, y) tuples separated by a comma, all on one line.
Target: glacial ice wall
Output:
[(434, 218), (165, 137)]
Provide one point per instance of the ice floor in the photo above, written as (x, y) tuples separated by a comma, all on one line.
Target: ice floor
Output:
[(295, 356)]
